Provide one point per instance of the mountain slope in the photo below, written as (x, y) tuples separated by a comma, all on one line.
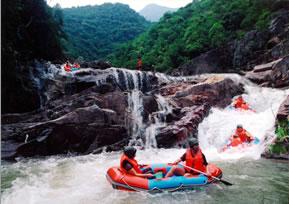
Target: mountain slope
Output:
[(154, 12), (192, 30), (93, 31)]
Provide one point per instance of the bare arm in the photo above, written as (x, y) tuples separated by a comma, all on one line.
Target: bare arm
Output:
[(249, 135), (177, 161), (133, 172)]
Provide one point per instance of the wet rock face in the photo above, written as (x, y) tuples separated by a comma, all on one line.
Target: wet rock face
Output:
[(214, 61), (279, 149), (89, 111), (273, 74), (283, 112), (193, 103), (20, 92), (78, 123), (96, 64)]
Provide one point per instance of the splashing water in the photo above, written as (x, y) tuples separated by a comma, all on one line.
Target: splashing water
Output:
[(157, 121), (216, 129), (135, 106), (75, 180)]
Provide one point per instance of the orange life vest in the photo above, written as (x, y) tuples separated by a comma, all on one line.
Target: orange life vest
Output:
[(76, 65), (243, 136), (240, 103), (235, 142), (67, 67), (195, 161), (133, 162), (245, 106)]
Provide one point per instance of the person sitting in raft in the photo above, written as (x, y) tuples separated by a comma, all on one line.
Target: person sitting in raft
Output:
[(193, 158), (76, 65), (243, 134), (67, 67), (240, 103), (129, 165), (233, 142)]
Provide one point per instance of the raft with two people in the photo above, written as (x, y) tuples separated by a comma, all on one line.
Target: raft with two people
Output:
[(240, 104), (71, 68), (240, 139), (131, 176), (123, 181)]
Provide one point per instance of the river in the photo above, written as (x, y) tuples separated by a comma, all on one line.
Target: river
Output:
[(81, 179)]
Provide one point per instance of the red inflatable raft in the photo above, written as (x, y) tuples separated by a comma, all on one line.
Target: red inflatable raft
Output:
[(122, 181)]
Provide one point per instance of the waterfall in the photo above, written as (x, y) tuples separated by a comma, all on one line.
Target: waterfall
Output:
[(135, 107), (157, 120), (213, 132)]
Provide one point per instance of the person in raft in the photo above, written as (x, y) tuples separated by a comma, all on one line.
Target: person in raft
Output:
[(240, 103), (243, 134), (129, 165), (76, 65), (193, 158), (234, 141), (67, 66)]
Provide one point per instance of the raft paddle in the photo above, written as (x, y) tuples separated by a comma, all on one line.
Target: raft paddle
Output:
[(218, 179)]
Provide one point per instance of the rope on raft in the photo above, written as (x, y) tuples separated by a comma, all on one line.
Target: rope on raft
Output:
[(155, 188)]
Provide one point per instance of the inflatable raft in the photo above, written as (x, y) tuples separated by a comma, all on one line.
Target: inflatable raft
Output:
[(255, 141), (123, 181)]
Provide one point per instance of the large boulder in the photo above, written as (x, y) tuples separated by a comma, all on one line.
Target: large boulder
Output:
[(273, 74), (214, 61), (99, 64), (245, 49), (279, 149), (79, 123), (192, 104), (75, 132), (283, 112)]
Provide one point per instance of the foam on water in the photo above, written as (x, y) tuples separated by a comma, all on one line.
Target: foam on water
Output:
[(216, 129), (75, 180)]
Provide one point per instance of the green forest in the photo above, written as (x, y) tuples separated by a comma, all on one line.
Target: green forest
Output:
[(95, 31), (196, 28)]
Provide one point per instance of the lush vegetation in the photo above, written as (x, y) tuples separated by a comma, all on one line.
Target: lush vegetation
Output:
[(94, 31), (29, 31), (281, 144), (198, 27)]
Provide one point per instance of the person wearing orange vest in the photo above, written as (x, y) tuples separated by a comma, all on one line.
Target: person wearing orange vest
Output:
[(193, 158), (233, 142), (243, 134), (240, 103), (67, 67), (129, 165), (139, 64), (76, 65)]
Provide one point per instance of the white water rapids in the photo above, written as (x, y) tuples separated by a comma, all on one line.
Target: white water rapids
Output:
[(74, 180), (216, 129)]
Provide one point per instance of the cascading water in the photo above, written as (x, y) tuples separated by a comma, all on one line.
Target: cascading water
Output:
[(216, 129), (73, 180), (135, 107), (157, 121)]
